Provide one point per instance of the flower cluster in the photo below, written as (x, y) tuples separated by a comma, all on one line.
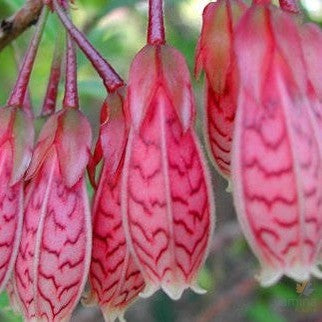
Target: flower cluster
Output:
[(264, 127)]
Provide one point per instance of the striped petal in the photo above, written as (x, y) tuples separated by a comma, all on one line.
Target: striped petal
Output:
[(215, 54), (115, 278), (16, 140), (11, 214), (166, 196), (175, 78), (54, 254), (276, 159)]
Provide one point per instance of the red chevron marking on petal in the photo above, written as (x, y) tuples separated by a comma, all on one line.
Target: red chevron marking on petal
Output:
[(114, 277)]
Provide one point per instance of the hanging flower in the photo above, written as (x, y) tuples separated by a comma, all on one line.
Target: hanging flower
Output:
[(115, 279), (54, 254), (166, 195), (16, 145), (16, 142), (215, 54), (276, 156)]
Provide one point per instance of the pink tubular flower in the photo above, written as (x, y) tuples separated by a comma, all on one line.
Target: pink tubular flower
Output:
[(165, 195), (16, 142), (54, 255), (277, 154), (114, 277), (166, 198), (215, 54)]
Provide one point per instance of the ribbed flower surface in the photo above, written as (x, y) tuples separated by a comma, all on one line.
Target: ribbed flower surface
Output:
[(165, 194), (16, 140), (216, 55), (54, 255), (115, 278), (277, 159)]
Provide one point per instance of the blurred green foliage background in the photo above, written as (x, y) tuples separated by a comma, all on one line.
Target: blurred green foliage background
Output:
[(117, 30)]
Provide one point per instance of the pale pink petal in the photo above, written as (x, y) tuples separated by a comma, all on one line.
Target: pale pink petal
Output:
[(311, 36), (74, 138), (152, 65), (45, 141), (177, 84), (166, 200), (11, 214), (113, 132), (215, 54), (54, 255), (276, 160), (23, 134), (115, 279), (312, 49), (143, 80)]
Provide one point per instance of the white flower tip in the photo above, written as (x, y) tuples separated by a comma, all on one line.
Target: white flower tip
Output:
[(148, 291), (197, 289), (268, 276), (229, 188), (174, 291), (316, 272), (299, 273), (113, 315)]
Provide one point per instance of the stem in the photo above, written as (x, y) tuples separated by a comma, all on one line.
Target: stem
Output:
[(156, 33), (290, 6), (27, 105), (111, 79), (18, 93), (71, 92), (49, 104)]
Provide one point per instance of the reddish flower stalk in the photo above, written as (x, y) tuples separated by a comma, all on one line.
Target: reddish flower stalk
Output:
[(49, 104), (54, 254), (63, 3), (27, 105), (110, 78), (290, 5), (71, 91), (18, 93), (156, 33)]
